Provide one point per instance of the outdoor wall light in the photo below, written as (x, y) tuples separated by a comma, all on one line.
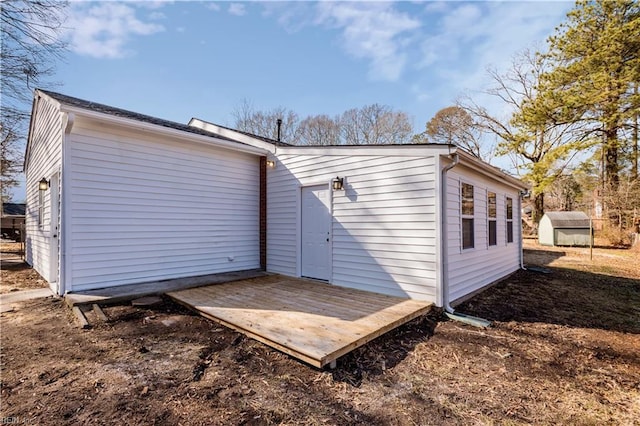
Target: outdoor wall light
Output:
[(337, 183), (271, 164), (43, 185)]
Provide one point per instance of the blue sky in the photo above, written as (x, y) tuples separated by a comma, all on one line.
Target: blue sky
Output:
[(177, 60)]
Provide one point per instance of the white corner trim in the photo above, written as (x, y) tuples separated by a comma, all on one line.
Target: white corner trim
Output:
[(70, 121)]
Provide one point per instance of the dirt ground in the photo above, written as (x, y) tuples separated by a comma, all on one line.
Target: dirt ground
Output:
[(13, 274), (564, 349)]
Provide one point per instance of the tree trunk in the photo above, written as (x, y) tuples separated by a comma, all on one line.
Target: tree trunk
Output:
[(634, 169), (538, 207), (611, 159)]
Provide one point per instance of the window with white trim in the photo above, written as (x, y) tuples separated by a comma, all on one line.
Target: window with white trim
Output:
[(509, 215), (466, 195), (41, 208), (492, 217)]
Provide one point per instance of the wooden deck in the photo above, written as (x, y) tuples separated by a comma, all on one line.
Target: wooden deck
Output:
[(312, 321), (132, 291)]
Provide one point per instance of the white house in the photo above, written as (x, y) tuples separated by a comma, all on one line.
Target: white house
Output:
[(129, 198)]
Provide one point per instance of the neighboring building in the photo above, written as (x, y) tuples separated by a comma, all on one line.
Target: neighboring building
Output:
[(564, 229), (133, 199), (13, 221)]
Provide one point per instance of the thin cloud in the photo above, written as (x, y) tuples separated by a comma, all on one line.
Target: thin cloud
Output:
[(103, 30), (373, 31), (467, 38), (237, 9), (292, 16), (152, 4), (156, 16)]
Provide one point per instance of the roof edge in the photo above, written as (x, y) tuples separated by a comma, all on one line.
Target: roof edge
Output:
[(489, 170), (242, 137), (127, 118)]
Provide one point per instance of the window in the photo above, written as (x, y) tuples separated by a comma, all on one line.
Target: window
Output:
[(491, 214), (509, 220), (467, 216), (40, 208)]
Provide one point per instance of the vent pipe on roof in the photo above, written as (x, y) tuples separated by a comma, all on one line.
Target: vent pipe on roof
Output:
[(279, 125)]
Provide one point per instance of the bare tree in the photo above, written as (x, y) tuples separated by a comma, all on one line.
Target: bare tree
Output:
[(29, 33), (10, 154), (622, 201), (454, 125), (264, 123), (375, 125), (319, 130), (564, 193), (540, 150), (370, 125)]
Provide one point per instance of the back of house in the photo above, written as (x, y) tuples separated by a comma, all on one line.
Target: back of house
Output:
[(119, 198)]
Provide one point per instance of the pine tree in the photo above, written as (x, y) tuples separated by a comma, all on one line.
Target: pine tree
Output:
[(596, 53)]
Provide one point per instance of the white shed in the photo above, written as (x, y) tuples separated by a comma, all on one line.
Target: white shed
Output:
[(428, 222), (564, 229)]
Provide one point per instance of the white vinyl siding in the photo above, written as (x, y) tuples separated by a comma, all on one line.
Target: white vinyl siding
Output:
[(546, 232), (470, 270), (146, 207), (44, 160), (384, 222)]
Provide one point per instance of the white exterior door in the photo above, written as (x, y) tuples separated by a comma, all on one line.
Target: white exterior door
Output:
[(54, 234), (316, 231)]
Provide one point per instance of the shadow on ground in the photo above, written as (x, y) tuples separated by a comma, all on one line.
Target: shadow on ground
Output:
[(563, 297), (13, 265), (386, 351), (542, 257), (369, 360)]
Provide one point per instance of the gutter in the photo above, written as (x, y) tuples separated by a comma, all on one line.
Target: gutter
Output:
[(520, 242), (444, 250), (156, 128), (487, 169)]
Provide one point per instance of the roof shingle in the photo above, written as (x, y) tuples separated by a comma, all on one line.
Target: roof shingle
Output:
[(573, 219), (118, 112)]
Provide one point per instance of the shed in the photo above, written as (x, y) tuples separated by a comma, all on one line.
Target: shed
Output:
[(13, 221), (564, 229), (428, 222)]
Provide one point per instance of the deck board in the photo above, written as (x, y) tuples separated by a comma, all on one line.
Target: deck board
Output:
[(127, 292), (312, 321)]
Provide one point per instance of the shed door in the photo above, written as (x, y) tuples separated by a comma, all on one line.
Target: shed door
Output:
[(316, 228)]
